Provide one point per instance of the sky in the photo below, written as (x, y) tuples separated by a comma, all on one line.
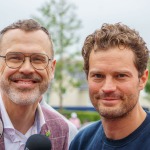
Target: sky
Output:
[(92, 13)]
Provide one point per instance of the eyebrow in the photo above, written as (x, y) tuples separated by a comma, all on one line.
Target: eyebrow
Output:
[(114, 72)]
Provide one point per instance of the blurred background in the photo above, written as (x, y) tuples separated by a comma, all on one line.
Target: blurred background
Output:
[(69, 22)]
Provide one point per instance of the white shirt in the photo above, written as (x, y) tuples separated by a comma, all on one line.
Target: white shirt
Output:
[(13, 139)]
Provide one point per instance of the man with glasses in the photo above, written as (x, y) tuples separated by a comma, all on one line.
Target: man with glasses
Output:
[(27, 67), (38, 61)]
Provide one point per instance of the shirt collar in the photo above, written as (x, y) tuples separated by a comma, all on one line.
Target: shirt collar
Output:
[(39, 120), (6, 121)]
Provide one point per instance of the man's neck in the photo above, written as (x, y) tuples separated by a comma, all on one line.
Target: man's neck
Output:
[(22, 117), (23, 120)]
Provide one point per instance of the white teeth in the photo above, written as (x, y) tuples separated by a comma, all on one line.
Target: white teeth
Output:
[(25, 82)]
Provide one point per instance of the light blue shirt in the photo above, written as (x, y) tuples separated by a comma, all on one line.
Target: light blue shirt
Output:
[(13, 139)]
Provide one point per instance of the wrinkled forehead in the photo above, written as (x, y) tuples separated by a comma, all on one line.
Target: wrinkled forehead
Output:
[(16, 39)]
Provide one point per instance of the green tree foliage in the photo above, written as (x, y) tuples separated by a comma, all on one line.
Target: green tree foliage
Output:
[(59, 17)]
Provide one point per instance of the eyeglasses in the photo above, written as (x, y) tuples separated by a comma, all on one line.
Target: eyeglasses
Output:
[(14, 60)]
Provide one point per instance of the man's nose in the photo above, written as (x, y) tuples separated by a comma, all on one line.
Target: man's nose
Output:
[(27, 67), (109, 85)]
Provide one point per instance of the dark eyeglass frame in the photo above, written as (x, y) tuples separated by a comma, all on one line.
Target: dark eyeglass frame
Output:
[(23, 54)]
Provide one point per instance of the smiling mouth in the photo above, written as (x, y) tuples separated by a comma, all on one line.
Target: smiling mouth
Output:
[(25, 81), (25, 78), (110, 98)]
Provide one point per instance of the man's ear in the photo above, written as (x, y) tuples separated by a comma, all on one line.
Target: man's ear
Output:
[(143, 79), (53, 65)]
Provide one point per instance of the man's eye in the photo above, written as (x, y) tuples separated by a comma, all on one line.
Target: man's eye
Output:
[(13, 58), (121, 75), (99, 76), (39, 59)]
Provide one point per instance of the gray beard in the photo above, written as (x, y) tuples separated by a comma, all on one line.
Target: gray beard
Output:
[(21, 96)]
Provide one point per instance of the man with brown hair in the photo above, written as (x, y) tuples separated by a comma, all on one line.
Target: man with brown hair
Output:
[(115, 62)]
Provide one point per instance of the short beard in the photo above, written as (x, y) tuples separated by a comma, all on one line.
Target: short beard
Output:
[(23, 96), (116, 114), (128, 103)]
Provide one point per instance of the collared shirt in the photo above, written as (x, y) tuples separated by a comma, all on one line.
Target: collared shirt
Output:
[(14, 139)]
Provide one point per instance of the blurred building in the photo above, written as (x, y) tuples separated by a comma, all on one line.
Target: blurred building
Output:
[(78, 98)]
